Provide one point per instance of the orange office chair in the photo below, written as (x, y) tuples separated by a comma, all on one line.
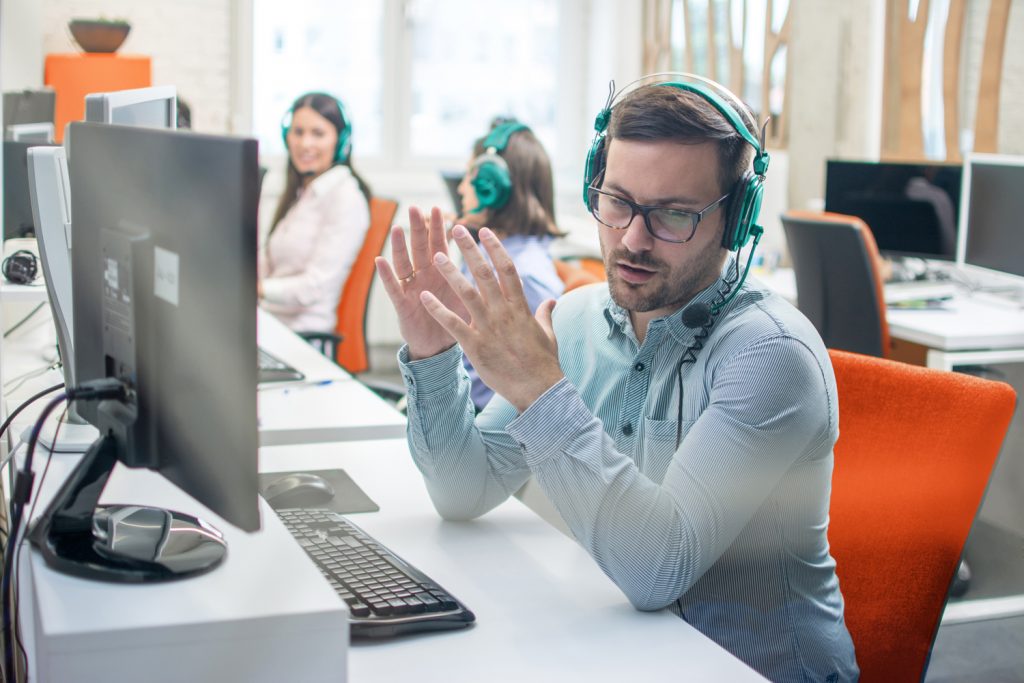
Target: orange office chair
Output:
[(578, 272), (914, 455), (838, 280), (351, 351)]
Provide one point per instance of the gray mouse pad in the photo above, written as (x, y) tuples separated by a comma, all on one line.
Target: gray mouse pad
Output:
[(348, 497)]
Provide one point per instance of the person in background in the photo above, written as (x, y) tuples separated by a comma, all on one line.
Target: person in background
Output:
[(508, 188), (320, 222)]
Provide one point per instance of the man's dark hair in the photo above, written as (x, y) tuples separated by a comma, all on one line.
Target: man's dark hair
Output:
[(669, 113)]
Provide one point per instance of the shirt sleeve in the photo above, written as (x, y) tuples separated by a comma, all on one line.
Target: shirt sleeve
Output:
[(468, 461), (343, 222), (768, 408)]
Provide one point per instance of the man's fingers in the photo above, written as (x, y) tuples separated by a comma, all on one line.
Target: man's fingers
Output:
[(505, 268), (392, 286), (400, 253), (482, 271), (420, 241), (438, 241), (463, 288), (452, 323)]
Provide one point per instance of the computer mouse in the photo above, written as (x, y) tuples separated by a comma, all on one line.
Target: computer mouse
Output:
[(299, 490)]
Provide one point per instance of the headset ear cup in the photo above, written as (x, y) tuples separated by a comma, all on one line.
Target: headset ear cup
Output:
[(344, 146), (593, 167), (492, 183), (21, 267), (744, 206)]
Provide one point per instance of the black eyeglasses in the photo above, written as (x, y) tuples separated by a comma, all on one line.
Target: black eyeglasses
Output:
[(663, 223)]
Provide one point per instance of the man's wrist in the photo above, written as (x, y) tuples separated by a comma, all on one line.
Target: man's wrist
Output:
[(424, 353), (536, 387)]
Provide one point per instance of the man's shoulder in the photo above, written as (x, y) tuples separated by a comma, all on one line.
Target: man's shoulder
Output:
[(764, 318)]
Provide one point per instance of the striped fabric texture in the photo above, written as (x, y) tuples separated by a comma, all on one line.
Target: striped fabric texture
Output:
[(729, 529)]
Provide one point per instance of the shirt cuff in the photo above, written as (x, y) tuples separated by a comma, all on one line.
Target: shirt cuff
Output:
[(274, 291), (429, 374), (556, 417)]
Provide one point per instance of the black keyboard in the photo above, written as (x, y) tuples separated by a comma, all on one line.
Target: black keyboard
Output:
[(386, 595), (272, 369)]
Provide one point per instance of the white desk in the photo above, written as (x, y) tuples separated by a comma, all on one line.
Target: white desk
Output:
[(330, 405), (250, 619), (971, 330), (274, 337), (544, 610)]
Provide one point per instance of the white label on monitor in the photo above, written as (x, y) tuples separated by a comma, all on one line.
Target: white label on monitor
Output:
[(165, 275)]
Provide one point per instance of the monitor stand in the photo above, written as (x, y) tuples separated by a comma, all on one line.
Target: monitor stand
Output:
[(120, 543), (67, 434)]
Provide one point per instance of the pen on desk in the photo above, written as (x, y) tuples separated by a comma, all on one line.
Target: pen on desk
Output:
[(286, 387)]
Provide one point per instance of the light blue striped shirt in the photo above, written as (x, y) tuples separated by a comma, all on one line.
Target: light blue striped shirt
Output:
[(728, 530)]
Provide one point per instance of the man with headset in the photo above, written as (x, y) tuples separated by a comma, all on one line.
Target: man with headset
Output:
[(680, 420)]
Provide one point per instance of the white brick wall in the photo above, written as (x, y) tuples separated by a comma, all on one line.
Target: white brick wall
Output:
[(188, 40)]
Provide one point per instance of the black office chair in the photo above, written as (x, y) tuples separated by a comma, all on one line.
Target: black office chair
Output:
[(839, 286), (452, 180)]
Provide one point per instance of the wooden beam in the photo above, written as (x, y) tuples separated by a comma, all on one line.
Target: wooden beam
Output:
[(951, 77), (986, 122)]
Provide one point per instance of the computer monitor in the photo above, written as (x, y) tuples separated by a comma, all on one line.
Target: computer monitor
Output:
[(911, 208), (18, 220), (164, 270), (50, 194), (29, 106), (39, 133), (155, 107), (991, 227)]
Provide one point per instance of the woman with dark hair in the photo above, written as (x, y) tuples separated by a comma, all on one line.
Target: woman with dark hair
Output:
[(320, 221), (509, 189)]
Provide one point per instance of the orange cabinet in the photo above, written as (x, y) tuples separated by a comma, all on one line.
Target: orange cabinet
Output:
[(73, 76)]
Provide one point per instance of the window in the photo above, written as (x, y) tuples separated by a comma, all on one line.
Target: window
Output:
[(421, 79)]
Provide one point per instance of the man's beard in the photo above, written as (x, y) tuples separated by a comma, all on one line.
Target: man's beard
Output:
[(666, 289)]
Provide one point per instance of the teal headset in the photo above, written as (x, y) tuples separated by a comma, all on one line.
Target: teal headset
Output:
[(492, 181), (344, 147), (746, 195)]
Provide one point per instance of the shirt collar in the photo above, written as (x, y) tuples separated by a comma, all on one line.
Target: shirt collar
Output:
[(618, 317)]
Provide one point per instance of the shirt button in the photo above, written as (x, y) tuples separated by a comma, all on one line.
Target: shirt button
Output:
[(639, 367), (627, 429)]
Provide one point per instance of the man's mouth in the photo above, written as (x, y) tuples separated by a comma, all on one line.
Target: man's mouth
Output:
[(634, 274)]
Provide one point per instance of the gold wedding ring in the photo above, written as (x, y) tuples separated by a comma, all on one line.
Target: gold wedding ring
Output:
[(409, 278)]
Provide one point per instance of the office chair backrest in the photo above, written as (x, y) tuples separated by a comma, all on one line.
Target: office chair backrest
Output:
[(915, 451), (355, 296), (839, 286), (575, 275)]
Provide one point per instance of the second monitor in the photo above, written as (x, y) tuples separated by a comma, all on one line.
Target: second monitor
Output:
[(911, 208)]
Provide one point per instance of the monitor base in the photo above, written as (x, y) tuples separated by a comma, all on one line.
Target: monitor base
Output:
[(120, 543), (66, 436)]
